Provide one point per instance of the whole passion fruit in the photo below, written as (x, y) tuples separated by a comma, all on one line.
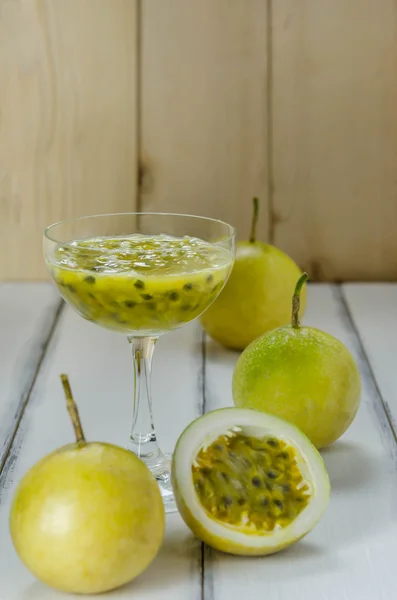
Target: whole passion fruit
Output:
[(88, 517), (247, 482), (300, 374), (256, 297)]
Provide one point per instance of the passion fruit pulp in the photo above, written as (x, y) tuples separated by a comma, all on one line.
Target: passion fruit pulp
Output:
[(241, 479), (248, 482)]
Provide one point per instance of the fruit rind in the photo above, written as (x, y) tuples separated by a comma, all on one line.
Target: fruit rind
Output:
[(228, 538)]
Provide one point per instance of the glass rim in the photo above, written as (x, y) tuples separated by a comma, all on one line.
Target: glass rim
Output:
[(47, 229)]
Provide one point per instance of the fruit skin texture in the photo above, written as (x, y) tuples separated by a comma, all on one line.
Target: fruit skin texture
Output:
[(87, 518), (222, 536), (302, 375), (256, 297)]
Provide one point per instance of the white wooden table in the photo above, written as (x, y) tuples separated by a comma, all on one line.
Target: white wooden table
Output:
[(351, 554)]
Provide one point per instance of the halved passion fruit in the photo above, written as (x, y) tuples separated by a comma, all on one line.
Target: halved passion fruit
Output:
[(247, 482)]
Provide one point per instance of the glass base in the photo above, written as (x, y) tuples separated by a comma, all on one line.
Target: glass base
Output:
[(162, 474), (160, 466)]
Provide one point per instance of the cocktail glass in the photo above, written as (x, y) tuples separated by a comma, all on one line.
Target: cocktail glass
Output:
[(142, 275)]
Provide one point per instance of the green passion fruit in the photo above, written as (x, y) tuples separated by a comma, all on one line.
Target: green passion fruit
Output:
[(247, 482), (300, 374)]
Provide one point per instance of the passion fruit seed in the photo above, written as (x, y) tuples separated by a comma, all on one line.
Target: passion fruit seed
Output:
[(235, 485), (89, 279), (129, 304)]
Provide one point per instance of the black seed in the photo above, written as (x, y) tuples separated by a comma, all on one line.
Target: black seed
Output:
[(185, 307), (286, 487), (256, 481), (278, 503), (174, 296), (218, 447), (272, 443), (71, 288), (129, 304), (188, 286), (225, 476), (247, 441), (206, 471), (90, 279), (210, 278), (299, 499), (283, 455), (272, 474), (228, 500), (241, 501), (147, 296), (139, 284)]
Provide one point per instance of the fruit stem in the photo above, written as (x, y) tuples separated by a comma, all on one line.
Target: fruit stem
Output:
[(296, 300), (72, 409), (254, 220)]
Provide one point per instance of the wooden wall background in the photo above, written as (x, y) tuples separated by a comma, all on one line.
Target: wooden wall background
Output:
[(195, 106)]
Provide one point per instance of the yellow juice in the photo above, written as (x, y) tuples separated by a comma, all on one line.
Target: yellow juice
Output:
[(140, 284)]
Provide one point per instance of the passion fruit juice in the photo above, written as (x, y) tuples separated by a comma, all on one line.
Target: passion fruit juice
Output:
[(139, 283)]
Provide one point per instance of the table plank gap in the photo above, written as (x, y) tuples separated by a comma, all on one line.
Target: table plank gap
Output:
[(374, 310), (348, 554), (359, 326), (29, 316), (98, 363)]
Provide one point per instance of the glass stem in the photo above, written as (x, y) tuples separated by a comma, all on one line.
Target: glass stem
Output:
[(143, 440)]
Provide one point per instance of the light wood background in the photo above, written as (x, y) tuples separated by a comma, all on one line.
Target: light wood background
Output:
[(195, 106)]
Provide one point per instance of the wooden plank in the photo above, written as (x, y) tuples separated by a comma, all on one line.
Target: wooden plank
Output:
[(351, 553), (373, 308), (203, 108), (68, 119), (334, 93), (28, 314), (99, 366)]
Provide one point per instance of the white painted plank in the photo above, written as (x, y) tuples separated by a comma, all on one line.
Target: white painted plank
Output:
[(27, 313), (352, 552), (98, 363), (373, 308)]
